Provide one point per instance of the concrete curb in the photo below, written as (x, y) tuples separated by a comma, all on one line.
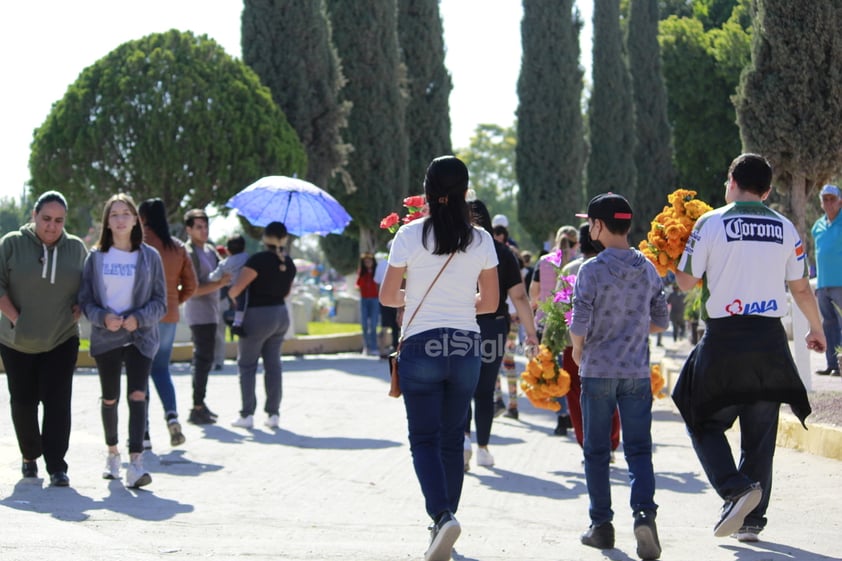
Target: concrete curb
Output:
[(819, 439)]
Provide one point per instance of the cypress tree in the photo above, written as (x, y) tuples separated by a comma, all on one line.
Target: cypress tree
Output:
[(366, 37), (790, 97), (428, 84), (551, 148), (288, 43), (611, 111), (653, 147)]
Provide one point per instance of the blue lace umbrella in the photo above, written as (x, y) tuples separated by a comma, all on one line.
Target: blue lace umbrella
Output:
[(300, 205)]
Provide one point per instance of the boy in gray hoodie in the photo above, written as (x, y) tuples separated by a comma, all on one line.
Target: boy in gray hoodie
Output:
[(618, 300)]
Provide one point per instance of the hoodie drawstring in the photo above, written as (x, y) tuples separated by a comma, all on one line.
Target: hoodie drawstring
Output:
[(44, 264)]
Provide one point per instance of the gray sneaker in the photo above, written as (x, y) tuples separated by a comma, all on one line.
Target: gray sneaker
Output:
[(112, 467), (443, 534), (176, 436), (136, 476)]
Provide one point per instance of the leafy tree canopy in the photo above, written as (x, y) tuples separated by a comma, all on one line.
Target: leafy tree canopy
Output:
[(170, 115)]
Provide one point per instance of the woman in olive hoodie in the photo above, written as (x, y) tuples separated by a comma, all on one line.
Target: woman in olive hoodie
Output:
[(40, 271), (124, 296)]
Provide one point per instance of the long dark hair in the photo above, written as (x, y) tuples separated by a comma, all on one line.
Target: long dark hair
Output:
[(362, 269), (106, 238), (153, 213), (445, 186), (480, 215)]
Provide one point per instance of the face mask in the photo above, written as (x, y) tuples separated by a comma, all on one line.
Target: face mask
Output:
[(596, 244)]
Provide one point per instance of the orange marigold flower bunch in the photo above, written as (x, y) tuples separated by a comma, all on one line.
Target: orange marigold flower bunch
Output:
[(543, 381), (665, 241), (658, 382)]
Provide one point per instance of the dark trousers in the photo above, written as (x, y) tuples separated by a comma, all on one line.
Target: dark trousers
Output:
[(389, 318), (758, 432), (42, 378), (204, 344), (493, 331), (110, 365)]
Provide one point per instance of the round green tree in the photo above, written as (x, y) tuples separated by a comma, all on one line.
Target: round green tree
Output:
[(170, 115)]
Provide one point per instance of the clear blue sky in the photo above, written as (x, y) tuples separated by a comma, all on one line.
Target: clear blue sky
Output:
[(45, 44)]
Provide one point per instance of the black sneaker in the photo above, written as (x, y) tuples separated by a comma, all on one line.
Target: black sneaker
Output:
[(511, 413), (29, 469), (562, 425), (201, 416), (827, 372), (646, 534), (59, 479), (443, 534), (735, 510), (600, 537)]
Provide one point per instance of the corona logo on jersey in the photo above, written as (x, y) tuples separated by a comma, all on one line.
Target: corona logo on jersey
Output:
[(737, 307), (753, 229)]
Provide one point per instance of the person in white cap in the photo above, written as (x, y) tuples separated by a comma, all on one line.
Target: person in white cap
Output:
[(827, 237)]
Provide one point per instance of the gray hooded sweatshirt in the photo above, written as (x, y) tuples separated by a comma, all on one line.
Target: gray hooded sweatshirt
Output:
[(617, 295), (149, 303)]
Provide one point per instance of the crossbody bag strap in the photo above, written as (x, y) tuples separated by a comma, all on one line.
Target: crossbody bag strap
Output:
[(424, 298)]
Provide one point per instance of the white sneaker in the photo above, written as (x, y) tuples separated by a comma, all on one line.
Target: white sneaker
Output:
[(467, 452), (484, 457), (112, 467), (273, 421), (243, 422), (136, 476)]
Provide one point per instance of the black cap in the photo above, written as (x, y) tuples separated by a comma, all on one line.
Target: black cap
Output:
[(608, 206)]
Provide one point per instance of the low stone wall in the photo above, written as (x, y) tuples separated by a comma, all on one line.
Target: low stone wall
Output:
[(300, 345)]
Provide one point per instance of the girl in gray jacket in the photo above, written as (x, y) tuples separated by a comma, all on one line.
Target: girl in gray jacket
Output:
[(124, 296)]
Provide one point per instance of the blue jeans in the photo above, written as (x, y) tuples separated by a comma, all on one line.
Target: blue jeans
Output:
[(160, 373), (370, 318), (831, 321), (758, 432), (633, 396), (439, 369)]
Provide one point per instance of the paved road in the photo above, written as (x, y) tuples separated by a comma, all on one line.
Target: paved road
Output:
[(336, 483)]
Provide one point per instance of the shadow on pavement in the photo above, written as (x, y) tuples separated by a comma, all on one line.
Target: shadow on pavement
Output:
[(779, 551), (67, 504), (288, 438), (513, 482), (175, 463)]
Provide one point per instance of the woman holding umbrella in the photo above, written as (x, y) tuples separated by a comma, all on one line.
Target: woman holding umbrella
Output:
[(266, 279)]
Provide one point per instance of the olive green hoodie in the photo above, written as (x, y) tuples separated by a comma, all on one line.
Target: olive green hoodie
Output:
[(43, 284)]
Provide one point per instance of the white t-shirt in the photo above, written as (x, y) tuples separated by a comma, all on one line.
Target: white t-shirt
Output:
[(452, 301), (745, 252), (118, 270)]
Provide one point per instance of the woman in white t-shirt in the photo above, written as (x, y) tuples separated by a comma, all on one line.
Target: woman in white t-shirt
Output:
[(440, 350), (124, 296)]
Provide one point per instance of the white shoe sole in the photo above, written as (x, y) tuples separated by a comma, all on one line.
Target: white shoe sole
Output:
[(442, 547), (734, 520)]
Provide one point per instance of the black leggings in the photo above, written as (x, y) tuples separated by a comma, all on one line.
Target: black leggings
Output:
[(110, 364)]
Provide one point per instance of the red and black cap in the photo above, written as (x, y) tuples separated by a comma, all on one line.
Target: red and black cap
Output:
[(608, 206)]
